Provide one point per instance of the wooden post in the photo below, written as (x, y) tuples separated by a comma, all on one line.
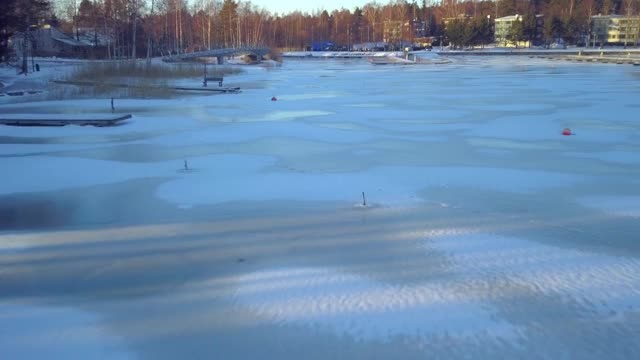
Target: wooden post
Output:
[(364, 200), (204, 81), (112, 107)]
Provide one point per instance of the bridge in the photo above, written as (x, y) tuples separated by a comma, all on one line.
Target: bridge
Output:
[(220, 54)]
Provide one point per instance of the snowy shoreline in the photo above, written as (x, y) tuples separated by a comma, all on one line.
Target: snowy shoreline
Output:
[(474, 52)]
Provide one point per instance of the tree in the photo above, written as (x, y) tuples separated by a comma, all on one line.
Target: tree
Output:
[(629, 7), (88, 16), (229, 21), (608, 7), (20, 15), (71, 9), (135, 8), (516, 33), (149, 33), (529, 27), (460, 33), (506, 7), (371, 13), (570, 29), (553, 28), (454, 31), (482, 30), (589, 8)]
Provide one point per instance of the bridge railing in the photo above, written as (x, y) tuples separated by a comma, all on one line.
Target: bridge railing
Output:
[(258, 51)]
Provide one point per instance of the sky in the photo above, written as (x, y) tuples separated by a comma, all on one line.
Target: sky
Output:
[(286, 6)]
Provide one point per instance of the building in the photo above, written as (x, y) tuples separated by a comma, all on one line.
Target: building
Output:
[(49, 41), (503, 31), (461, 17), (392, 31), (420, 28), (401, 34), (615, 29)]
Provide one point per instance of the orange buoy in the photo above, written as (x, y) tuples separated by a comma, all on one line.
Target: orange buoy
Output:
[(566, 132), (274, 99)]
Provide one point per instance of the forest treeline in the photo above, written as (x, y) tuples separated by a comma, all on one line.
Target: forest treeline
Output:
[(141, 28)]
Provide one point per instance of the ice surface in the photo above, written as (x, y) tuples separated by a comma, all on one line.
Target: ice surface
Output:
[(586, 277), (486, 233), (614, 205), (218, 182), (36, 331)]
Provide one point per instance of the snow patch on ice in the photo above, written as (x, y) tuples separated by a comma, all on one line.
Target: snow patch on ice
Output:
[(591, 279), (284, 115), (292, 115), (509, 144), (297, 97), (366, 105), (627, 206), (361, 307)]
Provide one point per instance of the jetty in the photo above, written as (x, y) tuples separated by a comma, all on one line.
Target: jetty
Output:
[(99, 120)]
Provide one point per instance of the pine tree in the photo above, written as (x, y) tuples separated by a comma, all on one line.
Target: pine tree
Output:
[(229, 20), (19, 16)]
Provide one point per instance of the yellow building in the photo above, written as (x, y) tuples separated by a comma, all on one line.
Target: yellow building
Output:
[(502, 31), (503, 27), (615, 29)]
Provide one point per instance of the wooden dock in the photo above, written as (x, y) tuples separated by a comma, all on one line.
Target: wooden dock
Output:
[(62, 119), (223, 90)]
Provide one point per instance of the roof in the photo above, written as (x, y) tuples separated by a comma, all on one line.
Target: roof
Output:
[(509, 18), (614, 16), (515, 17), (607, 16), (370, 44), (57, 35), (69, 41)]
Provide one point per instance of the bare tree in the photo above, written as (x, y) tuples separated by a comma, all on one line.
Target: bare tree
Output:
[(150, 32), (372, 13), (134, 8), (589, 9), (70, 11), (629, 8)]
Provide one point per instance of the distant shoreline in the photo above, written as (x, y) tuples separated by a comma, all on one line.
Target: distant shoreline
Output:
[(478, 52)]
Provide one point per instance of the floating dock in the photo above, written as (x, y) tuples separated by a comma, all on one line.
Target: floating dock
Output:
[(62, 119), (211, 89)]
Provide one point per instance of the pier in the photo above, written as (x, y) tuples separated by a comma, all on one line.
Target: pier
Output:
[(62, 119)]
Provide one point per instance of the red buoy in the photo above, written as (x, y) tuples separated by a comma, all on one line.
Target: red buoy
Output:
[(274, 99), (566, 132)]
